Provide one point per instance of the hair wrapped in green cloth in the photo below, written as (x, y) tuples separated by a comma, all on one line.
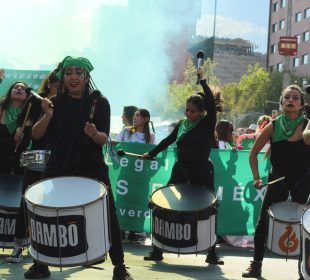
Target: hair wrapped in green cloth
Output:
[(69, 61)]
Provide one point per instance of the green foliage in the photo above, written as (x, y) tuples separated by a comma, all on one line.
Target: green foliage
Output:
[(257, 92), (178, 93)]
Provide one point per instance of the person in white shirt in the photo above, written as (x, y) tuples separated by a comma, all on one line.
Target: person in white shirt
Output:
[(140, 131)]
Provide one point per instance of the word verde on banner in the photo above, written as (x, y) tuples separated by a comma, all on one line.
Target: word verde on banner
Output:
[(133, 180), (33, 78)]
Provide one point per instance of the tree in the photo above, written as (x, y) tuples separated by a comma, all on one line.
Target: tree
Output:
[(178, 93), (247, 96)]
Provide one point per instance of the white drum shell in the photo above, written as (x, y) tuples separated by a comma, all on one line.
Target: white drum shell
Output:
[(284, 219), (95, 213), (205, 235), (305, 236)]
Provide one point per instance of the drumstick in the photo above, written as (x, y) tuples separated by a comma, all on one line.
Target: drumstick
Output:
[(24, 123), (121, 153), (274, 181)]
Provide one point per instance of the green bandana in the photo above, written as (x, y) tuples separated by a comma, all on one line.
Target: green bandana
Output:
[(285, 127), (69, 61), (187, 126), (11, 114)]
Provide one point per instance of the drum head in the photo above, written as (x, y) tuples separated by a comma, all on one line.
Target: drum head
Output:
[(286, 211), (183, 197), (306, 219), (65, 192), (10, 191)]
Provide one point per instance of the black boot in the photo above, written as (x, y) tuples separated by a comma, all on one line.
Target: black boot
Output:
[(213, 258), (37, 271), (253, 271), (154, 255)]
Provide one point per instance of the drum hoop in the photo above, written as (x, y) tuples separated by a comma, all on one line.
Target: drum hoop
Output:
[(102, 195), (213, 205), (302, 220), (37, 151), (283, 221)]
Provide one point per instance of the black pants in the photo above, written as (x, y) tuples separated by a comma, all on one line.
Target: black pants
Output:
[(276, 193), (30, 177), (116, 251)]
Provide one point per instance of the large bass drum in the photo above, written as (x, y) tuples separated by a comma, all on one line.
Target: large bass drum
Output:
[(183, 218), (10, 196)]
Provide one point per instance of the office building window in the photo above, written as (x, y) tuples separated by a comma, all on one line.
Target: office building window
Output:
[(273, 48), (282, 24), (307, 13), (279, 67), (306, 36), (305, 59), (298, 17), (275, 6), (274, 27), (296, 62), (298, 38), (283, 3)]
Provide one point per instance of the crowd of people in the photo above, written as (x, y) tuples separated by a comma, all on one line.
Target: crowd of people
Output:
[(71, 119)]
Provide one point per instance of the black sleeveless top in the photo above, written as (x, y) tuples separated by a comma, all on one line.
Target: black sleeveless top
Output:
[(290, 159)]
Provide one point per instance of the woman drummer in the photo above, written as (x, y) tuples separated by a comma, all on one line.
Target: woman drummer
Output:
[(194, 137), (290, 157), (30, 114), (77, 125), (10, 108)]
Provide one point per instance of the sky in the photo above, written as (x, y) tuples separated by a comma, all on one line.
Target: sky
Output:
[(39, 33)]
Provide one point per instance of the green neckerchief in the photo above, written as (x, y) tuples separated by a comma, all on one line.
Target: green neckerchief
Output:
[(187, 126), (11, 114), (285, 127)]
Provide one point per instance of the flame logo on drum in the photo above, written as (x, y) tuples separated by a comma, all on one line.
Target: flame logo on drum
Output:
[(288, 242)]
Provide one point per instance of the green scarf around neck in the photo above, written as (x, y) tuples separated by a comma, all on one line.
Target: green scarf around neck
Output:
[(187, 126), (285, 127), (11, 114)]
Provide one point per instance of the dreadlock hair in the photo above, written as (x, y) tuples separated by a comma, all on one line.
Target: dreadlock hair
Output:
[(85, 100)]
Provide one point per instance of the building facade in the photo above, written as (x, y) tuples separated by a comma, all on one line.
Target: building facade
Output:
[(299, 26)]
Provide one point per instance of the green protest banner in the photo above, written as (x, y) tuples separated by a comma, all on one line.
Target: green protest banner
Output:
[(33, 78), (133, 181)]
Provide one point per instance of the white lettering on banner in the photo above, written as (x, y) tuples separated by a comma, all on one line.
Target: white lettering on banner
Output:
[(46, 234), (7, 226), (122, 187), (166, 164), (156, 186), (154, 165), (260, 194), (132, 213), (238, 193), (219, 193), (123, 162), (173, 231), (139, 165)]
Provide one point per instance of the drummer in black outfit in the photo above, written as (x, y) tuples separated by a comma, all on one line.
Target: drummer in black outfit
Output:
[(193, 137), (48, 88), (77, 126)]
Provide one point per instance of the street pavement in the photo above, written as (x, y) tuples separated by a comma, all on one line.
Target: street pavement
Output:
[(173, 267)]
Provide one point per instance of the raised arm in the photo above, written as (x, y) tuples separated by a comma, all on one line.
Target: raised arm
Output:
[(39, 129)]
